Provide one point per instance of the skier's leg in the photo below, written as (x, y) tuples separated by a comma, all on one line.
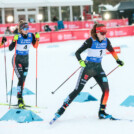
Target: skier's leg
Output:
[(83, 78), (19, 74), (103, 83)]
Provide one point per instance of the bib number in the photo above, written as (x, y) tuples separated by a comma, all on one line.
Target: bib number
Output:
[(100, 52)]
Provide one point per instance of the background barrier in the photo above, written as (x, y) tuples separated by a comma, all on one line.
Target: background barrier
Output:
[(39, 27), (78, 34)]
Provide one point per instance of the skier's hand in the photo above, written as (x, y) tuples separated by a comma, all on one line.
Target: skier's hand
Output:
[(121, 63), (82, 63), (37, 36), (4, 39), (15, 38)]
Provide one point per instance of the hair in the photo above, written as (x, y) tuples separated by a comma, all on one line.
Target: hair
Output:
[(20, 24), (93, 31)]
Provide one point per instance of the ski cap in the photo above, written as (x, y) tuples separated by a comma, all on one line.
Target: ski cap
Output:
[(102, 30), (24, 26)]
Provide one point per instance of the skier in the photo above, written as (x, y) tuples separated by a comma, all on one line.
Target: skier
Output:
[(91, 67), (22, 42)]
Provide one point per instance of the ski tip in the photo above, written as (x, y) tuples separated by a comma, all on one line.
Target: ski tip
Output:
[(53, 120), (50, 123)]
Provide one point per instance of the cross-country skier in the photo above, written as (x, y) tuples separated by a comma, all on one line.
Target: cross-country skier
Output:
[(22, 42), (91, 67)]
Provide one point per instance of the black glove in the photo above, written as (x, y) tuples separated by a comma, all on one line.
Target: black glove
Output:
[(4, 39), (121, 63)]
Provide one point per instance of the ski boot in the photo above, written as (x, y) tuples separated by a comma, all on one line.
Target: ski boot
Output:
[(21, 104), (103, 115), (59, 112)]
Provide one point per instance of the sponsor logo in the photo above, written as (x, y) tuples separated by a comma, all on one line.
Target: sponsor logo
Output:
[(25, 73), (29, 35), (111, 33), (60, 37), (19, 65), (86, 25), (83, 80), (100, 45), (104, 79), (86, 35), (86, 77), (102, 73)]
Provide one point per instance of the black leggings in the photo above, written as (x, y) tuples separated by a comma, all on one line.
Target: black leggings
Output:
[(21, 70), (91, 70)]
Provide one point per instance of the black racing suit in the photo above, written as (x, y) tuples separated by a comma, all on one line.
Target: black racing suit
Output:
[(21, 65), (94, 70)]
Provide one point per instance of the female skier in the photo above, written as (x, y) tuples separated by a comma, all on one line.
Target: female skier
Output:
[(91, 67), (22, 42)]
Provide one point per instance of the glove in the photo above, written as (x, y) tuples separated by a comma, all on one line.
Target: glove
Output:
[(37, 36), (82, 63), (4, 39), (121, 63), (15, 38)]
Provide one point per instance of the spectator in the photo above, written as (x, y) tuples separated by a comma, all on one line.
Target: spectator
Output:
[(16, 30), (8, 31), (54, 19), (75, 18), (56, 28), (80, 18), (47, 28)]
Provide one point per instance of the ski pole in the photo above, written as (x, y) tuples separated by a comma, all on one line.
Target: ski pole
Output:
[(106, 75), (5, 72), (36, 74), (12, 76), (66, 80)]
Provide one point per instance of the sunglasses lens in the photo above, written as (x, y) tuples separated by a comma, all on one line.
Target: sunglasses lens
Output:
[(103, 33), (25, 29), (24, 26)]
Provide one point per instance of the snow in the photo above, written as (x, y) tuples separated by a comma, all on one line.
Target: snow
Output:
[(56, 62)]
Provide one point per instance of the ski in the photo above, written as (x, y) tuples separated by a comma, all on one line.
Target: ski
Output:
[(53, 120), (25, 108), (125, 120), (110, 118), (116, 119), (5, 104)]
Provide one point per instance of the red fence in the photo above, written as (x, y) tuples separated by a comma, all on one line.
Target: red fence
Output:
[(37, 27), (79, 34)]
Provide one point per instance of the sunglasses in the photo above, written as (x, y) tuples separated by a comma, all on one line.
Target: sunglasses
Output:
[(103, 33), (26, 28)]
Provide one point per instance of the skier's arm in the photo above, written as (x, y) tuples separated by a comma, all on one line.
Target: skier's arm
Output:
[(35, 40), (12, 45), (111, 50), (86, 44)]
